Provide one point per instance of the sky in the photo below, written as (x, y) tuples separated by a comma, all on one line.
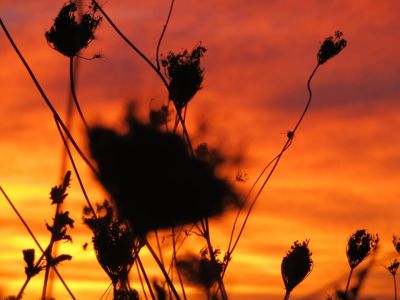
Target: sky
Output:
[(340, 174)]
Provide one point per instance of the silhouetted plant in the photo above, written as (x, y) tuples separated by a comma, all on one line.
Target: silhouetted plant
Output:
[(296, 265), (67, 35), (115, 248), (185, 75), (153, 180), (331, 46), (58, 230), (359, 246), (201, 271)]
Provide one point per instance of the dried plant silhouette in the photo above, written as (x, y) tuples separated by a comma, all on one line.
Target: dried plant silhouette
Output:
[(296, 265), (158, 183)]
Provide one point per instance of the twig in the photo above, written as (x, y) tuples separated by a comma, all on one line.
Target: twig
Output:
[(279, 156), (162, 34), (75, 169), (157, 260), (174, 259), (145, 276), (73, 92)]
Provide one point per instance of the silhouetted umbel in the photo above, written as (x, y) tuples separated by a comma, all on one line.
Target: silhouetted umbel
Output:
[(153, 180)]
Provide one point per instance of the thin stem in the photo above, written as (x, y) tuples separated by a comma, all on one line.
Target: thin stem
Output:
[(162, 34), (145, 277), (287, 295), (140, 53), (245, 200), (174, 258), (279, 156), (106, 292), (395, 286), (159, 246), (213, 259), (75, 169), (141, 280), (348, 283), (73, 92), (47, 101), (157, 260), (21, 218)]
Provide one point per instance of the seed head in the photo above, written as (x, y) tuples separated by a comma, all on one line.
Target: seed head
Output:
[(331, 47), (296, 265), (392, 268), (360, 245), (67, 35), (185, 75)]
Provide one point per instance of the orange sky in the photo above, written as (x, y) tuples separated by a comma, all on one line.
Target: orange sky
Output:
[(341, 173)]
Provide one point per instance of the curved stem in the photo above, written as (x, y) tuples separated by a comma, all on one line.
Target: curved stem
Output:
[(140, 53), (162, 34), (73, 92), (279, 156), (348, 283)]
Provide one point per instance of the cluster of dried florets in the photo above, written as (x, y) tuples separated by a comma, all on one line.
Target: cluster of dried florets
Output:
[(69, 36), (296, 265), (185, 75), (115, 247), (331, 47), (360, 245)]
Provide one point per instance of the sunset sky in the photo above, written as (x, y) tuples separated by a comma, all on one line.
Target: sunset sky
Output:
[(341, 173)]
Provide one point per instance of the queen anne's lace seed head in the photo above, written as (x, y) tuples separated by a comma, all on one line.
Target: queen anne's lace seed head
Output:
[(360, 245), (69, 36), (331, 46), (296, 265)]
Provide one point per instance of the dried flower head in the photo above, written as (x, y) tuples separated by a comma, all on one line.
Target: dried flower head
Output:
[(153, 180), (29, 258), (396, 243), (58, 193), (360, 245), (331, 47), (296, 265), (59, 227), (69, 36), (201, 271), (185, 75), (115, 247), (392, 268)]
